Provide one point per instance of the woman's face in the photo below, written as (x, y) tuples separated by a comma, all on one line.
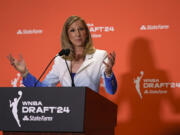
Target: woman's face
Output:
[(77, 34)]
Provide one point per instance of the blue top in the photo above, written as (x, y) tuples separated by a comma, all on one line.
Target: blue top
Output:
[(72, 75)]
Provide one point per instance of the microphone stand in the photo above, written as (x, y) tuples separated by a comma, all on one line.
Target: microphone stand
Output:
[(45, 70)]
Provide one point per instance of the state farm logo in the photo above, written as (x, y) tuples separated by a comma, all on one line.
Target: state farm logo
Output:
[(152, 86), (154, 27), (96, 31), (29, 31)]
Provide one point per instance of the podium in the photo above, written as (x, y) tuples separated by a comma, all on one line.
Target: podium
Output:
[(55, 111)]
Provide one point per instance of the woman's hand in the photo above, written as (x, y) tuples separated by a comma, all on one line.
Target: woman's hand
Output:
[(110, 63), (19, 65)]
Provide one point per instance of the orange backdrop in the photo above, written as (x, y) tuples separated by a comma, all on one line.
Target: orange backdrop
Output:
[(144, 35)]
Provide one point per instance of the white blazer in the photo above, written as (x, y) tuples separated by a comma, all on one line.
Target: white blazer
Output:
[(88, 75)]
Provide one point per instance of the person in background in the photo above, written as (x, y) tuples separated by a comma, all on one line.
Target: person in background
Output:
[(86, 64)]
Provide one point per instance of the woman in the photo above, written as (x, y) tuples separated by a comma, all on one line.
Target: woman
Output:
[(86, 63)]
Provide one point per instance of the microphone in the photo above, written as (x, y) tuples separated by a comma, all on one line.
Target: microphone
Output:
[(62, 52), (67, 52)]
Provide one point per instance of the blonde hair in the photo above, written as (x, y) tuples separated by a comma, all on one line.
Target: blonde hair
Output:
[(65, 42)]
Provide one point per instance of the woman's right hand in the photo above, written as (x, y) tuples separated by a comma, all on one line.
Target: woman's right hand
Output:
[(19, 65)]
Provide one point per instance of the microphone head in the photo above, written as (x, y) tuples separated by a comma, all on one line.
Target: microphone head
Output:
[(67, 52), (61, 52), (64, 52)]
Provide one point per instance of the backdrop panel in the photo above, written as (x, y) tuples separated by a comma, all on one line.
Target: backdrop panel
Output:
[(144, 35)]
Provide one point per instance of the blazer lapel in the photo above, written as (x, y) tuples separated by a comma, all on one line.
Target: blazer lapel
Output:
[(86, 63)]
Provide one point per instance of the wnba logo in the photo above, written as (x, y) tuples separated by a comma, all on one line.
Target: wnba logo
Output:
[(14, 105), (137, 83)]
